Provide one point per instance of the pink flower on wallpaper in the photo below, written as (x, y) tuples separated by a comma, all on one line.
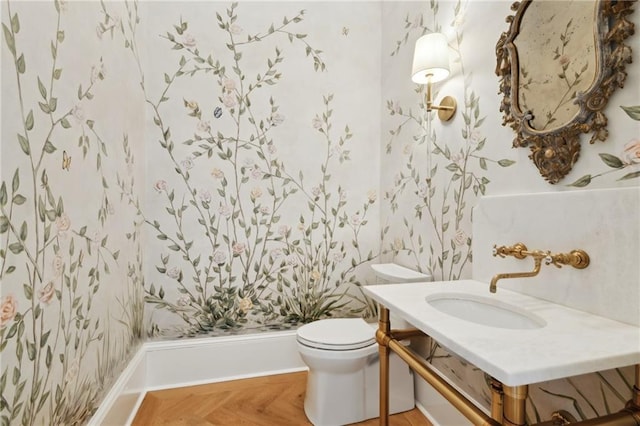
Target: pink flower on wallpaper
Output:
[(9, 309), (63, 223), (219, 257), (460, 238), (238, 248), (316, 123), (631, 152), (205, 196), (217, 173), (174, 273), (256, 173), (292, 260), (235, 29), (58, 265), (78, 114), (183, 300), (356, 219), (283, 230), (160, 185), (203, 126), (229, 100), (188, 40), (229, 85), (277, 119), (256, 193), (187, 163), (45, 294), (224, 210)]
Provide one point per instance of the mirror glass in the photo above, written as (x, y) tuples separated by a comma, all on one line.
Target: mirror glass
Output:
[(557, 60)]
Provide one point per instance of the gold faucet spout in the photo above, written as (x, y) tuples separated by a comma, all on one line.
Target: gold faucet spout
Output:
[(494, 281)]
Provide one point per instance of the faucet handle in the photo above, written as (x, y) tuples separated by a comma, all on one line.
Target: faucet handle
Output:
[(550, 259)]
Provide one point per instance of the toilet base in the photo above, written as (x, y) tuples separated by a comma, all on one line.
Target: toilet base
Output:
[(339, 399)]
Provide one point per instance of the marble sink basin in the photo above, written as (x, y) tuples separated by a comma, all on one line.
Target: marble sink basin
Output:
[(486, 311), (562, 342)]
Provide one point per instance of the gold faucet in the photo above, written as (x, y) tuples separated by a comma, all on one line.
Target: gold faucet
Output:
[(577, 258)]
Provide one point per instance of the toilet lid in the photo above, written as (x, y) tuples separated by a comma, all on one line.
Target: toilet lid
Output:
[(337, 334)]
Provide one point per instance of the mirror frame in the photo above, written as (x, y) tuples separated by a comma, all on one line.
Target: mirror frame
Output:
[(555, 152)]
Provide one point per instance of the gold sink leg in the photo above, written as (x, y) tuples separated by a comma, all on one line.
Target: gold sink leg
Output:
[(514, 405), (382, 336), (497, 395)]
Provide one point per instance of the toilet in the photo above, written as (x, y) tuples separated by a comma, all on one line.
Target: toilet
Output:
[(342, 357)]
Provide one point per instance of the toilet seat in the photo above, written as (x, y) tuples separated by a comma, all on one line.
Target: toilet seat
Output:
[(337, 334)]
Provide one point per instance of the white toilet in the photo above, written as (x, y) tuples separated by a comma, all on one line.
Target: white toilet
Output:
[(342, 356)]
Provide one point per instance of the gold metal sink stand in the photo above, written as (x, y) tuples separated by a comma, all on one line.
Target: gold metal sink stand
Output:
[(507, 402)]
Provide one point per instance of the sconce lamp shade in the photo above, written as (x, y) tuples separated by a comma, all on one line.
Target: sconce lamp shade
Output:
[(431, 57)]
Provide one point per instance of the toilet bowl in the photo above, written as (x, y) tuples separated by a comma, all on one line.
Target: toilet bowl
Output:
[(342, 356)]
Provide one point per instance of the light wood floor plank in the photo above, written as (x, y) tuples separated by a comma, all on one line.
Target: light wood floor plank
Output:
[(264, 401)]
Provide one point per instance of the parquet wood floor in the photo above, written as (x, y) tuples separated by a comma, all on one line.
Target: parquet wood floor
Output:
[(264, 401)]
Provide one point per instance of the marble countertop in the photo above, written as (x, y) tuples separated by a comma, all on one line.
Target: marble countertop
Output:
[(571, 343)]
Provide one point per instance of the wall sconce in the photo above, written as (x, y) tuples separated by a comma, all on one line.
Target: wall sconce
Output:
[(431, 65)]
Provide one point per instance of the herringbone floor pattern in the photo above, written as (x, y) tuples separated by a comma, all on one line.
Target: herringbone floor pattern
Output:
[(264, 401)]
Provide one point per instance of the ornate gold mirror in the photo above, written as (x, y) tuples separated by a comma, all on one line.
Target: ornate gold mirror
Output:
[(558, 64)]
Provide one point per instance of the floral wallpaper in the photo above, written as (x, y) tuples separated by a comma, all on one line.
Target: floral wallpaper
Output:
[(177, 169), (257, 218), (434, 172), (71, 246)]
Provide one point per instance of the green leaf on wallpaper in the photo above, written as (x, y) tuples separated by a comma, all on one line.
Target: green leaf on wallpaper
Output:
[(53, 103), (631, 175), (60, 36), (632, 111), (506, 163), (3, 194), (4, 224), (24, 144), (31, 350), (611, 161), (483, 163), (15, 24), (8, 36), (49, 147), (28, 291), (15, 182), (42, 89), (54, 51), (22, 67), (57, 73), (29, 122), (49, 357), (65, 123), (44, 107), (582, 182), (23, 231)]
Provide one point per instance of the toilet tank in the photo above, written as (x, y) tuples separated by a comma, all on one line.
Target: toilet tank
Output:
[(393, 273)]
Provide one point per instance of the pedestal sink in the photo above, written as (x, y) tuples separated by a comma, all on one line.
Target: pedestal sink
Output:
[(485, 311)]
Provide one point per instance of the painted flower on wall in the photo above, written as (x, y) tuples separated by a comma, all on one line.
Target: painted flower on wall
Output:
[(51, 269), (628, 160)]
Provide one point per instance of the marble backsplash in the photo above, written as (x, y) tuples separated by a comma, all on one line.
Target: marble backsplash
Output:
[(604, 223)]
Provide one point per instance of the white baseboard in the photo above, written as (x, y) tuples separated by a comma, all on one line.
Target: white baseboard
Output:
[(188, 362)]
